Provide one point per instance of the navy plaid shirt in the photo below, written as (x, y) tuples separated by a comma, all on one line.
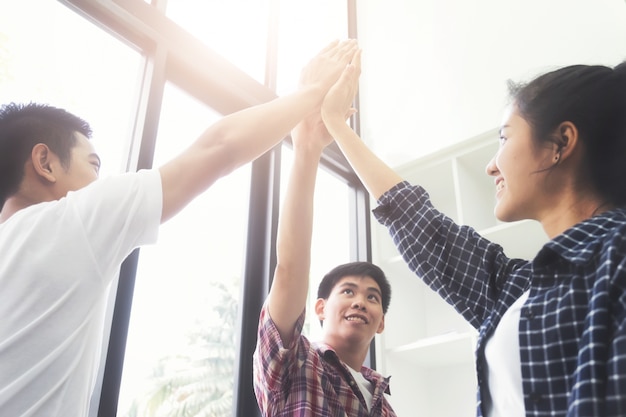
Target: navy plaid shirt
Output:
[(572, 330)]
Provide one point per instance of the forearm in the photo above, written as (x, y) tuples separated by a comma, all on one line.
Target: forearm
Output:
[(230, 143), (373, 172), (243, 136), (289, 290), (295, 227)]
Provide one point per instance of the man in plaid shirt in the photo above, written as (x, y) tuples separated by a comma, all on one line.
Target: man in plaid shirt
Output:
[(292, 376)]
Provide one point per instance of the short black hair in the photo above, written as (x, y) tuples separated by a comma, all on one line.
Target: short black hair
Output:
[(359, 269), (22, 126)]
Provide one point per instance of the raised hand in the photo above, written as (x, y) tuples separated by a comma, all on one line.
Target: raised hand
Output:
[(375, 174), (338, 101), (324, 69)]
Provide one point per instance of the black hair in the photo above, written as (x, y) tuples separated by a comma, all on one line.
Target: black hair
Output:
[(22, 126), (593, 98), (359, 269)]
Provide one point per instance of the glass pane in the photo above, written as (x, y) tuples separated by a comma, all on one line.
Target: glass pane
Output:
[(92, 75), (305, 27), (236, 29), (331, 232), (181, 344)]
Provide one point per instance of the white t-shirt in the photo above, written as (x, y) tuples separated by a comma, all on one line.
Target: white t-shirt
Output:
[(502, 353), (56, 264), (365, 386)]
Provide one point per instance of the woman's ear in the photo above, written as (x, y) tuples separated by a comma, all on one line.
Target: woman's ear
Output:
[(42, 158), (566, 141)]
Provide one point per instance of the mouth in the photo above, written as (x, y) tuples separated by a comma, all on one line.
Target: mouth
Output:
[(499, 185), (357, 318)]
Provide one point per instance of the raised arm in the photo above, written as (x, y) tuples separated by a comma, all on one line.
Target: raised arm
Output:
[(245, 135), (288, 295), (375, 174)]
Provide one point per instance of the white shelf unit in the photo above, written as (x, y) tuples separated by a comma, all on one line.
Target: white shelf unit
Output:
[(427, 347)]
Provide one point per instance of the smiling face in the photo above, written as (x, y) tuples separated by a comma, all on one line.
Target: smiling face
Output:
[(520, 169), (353, 312)]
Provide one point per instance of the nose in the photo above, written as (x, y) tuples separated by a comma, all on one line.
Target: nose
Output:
[(358, 304), (491, 169)]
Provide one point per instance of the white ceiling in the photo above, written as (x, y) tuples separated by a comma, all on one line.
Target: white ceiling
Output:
[(435, 71)]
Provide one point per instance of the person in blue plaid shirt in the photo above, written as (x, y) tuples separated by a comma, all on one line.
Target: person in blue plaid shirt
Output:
[(552, 330)]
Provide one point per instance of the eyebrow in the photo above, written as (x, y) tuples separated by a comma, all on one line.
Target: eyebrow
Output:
[(353, 285), (502, 128)]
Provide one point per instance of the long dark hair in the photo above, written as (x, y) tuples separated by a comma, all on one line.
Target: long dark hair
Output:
[(593, 98)]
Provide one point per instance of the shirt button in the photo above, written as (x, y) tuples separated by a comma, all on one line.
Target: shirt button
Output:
[(529, 314)]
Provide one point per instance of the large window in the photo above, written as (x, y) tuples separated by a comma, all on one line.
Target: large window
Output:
[(150, 76), (237, 30), (180, 353)]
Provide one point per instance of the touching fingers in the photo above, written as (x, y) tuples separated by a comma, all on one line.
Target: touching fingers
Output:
[(344, 50), (350, 78), (329, 47), (356, 61)]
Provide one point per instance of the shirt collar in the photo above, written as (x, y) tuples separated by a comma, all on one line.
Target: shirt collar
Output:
[(579, 243), (329, 354)]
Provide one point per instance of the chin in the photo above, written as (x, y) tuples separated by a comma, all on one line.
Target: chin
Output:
[(503, 215)]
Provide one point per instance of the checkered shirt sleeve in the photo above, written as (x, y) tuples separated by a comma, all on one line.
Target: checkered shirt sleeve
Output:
[(465, 269)]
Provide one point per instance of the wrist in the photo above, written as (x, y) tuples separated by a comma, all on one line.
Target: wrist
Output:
[(335, 124), (315, 91), (310, 151)]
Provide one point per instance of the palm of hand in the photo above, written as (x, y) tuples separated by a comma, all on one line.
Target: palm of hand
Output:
[(326, 67)]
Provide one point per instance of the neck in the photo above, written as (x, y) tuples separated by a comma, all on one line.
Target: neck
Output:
[(569, 213), (14, 204)]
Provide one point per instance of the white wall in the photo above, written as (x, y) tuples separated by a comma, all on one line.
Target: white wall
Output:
[(435, 71)]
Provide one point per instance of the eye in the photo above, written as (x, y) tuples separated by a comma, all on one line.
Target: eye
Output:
[(347, 291), (373, 297), (502, 139), (96, 165)]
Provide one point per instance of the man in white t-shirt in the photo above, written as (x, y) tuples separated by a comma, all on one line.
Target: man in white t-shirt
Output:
[(64, 234)]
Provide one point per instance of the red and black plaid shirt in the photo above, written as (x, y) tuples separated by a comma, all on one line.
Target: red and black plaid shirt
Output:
[(309, 379)]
